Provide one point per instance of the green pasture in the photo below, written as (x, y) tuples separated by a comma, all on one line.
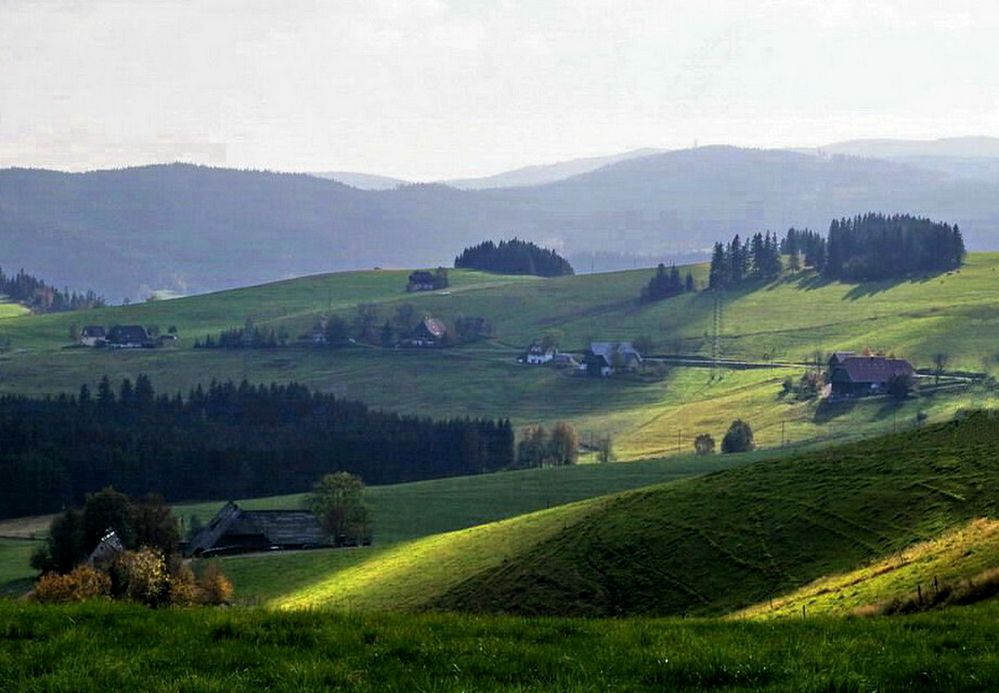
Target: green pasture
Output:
[(103, 646)]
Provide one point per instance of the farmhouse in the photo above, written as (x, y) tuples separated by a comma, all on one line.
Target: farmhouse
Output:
[(851, 375), (430, 332), (106, 550), (537, 354), (421, 281), (93, 335), (129, 337), (604, 358), (234, 530)]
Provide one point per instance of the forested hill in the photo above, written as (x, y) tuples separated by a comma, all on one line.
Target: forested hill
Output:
[(194, 229)]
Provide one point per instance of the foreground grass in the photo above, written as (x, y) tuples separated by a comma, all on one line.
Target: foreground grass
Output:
[(102, 646)]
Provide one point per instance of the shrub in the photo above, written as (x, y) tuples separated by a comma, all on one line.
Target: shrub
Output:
[(142, 576), (184, 589), (216, 588), (739, 437), (704, 444), (83, 582)]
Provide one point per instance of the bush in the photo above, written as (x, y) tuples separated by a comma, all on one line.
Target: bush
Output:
[(216, 588), (83, 582), (704, 444), (739, 437), (141, 576)]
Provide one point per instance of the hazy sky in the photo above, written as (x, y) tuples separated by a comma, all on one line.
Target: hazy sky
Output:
[(427, 89)]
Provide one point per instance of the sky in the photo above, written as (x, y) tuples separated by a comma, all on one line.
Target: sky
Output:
[(434, 89)]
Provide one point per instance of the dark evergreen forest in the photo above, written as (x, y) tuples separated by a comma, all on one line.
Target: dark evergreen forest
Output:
[(226, 441), (513, 257)]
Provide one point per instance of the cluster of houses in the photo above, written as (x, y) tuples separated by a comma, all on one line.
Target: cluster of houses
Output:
[(860, 375), (602, 359), (121, 337)]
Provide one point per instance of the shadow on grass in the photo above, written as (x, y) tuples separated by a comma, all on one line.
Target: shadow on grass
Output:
[(827, 411), (864, 289)]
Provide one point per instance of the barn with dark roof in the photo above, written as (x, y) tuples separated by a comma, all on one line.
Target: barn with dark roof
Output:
[(234, 530), (855, 376)]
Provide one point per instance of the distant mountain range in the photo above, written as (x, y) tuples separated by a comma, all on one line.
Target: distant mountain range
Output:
[(362, 181), (193, 229)]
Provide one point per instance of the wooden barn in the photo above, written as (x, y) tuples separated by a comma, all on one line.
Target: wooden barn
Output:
[(234, 530), (851, 375)]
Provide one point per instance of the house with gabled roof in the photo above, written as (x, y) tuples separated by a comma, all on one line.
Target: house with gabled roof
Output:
[(93, 335), (129, 337), (235, 530), (604, 358), (851, 375), (537, 354), (429, 332)]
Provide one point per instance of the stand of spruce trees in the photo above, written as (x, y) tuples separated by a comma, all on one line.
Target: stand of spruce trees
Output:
[(226, 441), (875, 246), (41, 298), (868, 247), (513, 257), (665, 284)]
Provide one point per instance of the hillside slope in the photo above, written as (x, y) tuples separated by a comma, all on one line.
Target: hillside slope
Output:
[(720, 543)]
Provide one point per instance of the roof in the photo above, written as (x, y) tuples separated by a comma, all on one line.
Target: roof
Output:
[(608, 349), (435, 327), (275, 527), (870, 369), (538, 349), (128, 334), (421, 276), (94, 331), (107, 550)]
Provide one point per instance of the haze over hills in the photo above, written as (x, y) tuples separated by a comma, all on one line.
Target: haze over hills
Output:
[(362, 181), (195, 229), (548, 173)]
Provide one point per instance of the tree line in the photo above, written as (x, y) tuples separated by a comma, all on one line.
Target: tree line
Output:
[(41, 297), (513, 257), (867, 247), (223, 441)]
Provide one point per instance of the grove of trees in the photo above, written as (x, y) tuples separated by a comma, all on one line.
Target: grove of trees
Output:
[(223, 441), (513, 257), (666, 283), (40, 297), (876, 246), (539, 448)]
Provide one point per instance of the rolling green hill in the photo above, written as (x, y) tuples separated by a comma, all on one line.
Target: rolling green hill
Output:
[(400, 512), (953, 313), (709, 545)]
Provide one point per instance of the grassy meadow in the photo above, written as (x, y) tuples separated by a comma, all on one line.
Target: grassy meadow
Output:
[(103, 646)]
